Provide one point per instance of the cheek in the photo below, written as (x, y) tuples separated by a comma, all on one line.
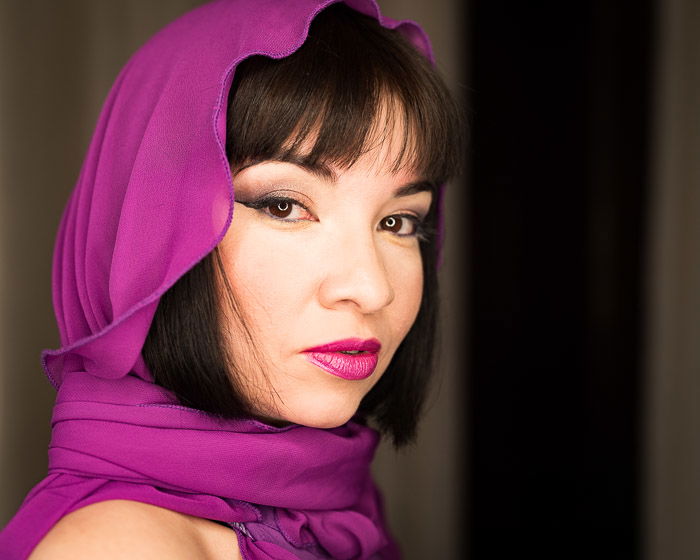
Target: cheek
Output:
[(266, 278), (407, 280)]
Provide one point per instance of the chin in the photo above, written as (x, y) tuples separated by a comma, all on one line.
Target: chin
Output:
[(329, 423), (323, 406), (325, 417), (325, 421)]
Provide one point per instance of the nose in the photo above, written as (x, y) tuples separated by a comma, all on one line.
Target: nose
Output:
[(356, 276)]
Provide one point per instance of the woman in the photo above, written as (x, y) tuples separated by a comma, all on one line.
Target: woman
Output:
[(244, 277)]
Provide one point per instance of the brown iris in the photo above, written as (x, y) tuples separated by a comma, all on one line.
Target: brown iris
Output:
[(392, 223), (280, 209)]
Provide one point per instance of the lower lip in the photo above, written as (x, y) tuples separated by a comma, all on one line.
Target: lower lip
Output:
[(346, 366)]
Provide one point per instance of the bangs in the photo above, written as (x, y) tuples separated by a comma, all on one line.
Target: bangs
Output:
[(351, 87)]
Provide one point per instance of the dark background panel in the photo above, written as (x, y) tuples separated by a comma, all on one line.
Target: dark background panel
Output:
[(559, 139)]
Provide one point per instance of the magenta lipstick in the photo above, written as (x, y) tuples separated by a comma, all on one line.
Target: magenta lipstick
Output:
[(352, 358)]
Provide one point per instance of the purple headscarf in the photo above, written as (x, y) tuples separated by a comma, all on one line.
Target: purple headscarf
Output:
[(153, 198)]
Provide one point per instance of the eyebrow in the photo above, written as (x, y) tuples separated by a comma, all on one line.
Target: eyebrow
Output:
[(325, 172), (415, 187)]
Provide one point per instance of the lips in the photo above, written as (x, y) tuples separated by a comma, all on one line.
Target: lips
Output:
[(334, 358)]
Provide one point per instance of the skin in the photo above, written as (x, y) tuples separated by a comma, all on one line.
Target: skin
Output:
[(346, 266), (122, 529)]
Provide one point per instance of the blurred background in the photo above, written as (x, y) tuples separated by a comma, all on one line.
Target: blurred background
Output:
[(566, 421)]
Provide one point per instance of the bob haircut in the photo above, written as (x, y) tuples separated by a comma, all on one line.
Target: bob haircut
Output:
[(324, 104)]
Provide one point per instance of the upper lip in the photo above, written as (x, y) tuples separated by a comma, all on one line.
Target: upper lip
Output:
[(348, 345)]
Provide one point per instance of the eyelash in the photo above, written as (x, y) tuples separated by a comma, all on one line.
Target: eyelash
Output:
[(422, 232)]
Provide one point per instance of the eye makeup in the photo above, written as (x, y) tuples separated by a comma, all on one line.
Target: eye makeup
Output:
[(394, 224), (282, 206)]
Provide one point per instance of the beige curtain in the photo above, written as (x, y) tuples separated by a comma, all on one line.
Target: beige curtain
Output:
[(672, 465), (57, 62)]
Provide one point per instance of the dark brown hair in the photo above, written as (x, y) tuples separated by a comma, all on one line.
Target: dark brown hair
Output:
[(332, 95)]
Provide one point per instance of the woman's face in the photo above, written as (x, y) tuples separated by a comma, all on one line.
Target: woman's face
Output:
[(327, 260)]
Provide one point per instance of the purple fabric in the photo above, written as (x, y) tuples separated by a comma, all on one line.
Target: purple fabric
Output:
[(155, 196)]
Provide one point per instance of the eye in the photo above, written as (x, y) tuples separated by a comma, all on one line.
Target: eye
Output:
[(403, 225), (280, 208)]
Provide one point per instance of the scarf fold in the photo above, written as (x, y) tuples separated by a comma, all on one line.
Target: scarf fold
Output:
[(155, 196)]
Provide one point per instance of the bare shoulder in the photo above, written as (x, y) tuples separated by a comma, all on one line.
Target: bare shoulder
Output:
[(122, 529)]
